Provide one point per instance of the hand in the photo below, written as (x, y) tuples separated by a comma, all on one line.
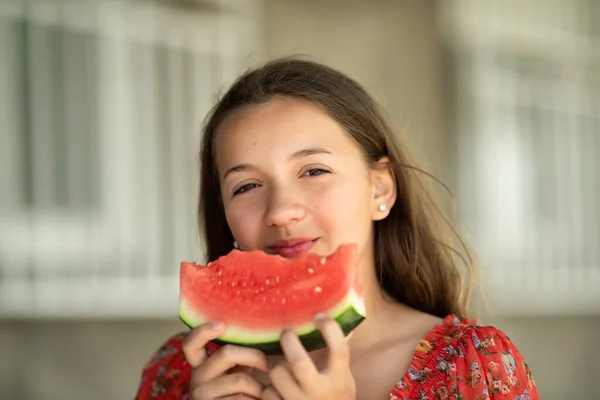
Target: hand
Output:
[(300, 379), (226, 373)]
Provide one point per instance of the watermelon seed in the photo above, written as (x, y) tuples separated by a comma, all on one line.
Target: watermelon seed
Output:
[(243, 283), (310, 270), (283, 301), (237, 293), (263, 299), (256, 291), (318, 289), (218, 283), (232, 284), (220, 272), (277, 279), (323, 259)]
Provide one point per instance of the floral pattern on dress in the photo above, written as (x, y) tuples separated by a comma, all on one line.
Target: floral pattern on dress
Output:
[(457, 360), (463, 361)]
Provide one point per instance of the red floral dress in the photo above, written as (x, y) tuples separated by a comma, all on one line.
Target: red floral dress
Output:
[(456, 360)]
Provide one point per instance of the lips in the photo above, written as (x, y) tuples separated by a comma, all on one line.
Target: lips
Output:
[(292, 248)]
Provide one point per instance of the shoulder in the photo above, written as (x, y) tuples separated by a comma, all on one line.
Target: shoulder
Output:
[(467, 360), (166, 374), (486, 356)]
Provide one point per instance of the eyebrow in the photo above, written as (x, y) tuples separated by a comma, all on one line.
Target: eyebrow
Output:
[(309, 152), (297, 154)]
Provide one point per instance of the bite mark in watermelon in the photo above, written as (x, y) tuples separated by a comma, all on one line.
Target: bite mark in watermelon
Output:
[(257, 295)]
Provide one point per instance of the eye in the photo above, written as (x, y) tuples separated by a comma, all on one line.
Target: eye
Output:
[(245, 188), (315, 172)]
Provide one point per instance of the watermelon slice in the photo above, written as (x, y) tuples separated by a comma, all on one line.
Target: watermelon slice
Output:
[(257, 295)]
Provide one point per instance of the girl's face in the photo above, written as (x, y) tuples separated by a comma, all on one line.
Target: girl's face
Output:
[(292, 181)]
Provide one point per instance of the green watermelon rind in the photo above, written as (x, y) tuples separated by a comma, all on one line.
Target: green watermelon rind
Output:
[(312, 340), (349, 313)]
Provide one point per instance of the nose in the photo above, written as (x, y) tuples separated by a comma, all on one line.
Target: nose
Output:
[(284, 206)]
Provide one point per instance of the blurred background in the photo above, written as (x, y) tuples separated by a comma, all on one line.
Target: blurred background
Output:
[(101, 104)]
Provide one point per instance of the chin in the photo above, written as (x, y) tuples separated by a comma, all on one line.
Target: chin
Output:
[(323, 250)]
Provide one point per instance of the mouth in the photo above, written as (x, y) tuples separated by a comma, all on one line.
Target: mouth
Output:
[(291, 248)]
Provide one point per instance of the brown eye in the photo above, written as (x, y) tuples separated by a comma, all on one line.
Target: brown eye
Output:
[(315, 172), (245, 188)]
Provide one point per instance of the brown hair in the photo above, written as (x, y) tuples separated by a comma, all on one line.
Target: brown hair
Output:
[(416, 262)]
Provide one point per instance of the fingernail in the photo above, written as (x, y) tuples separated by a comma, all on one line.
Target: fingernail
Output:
[(216, 325), (286, 330), (321, 316)]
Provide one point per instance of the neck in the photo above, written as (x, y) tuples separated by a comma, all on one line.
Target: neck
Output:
[(386, 319), (381, 308), (384, 314)]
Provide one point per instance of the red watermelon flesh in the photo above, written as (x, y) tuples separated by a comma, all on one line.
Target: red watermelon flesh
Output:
[(257, 295)]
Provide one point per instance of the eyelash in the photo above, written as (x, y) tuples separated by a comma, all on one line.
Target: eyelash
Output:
[(321, 171), (244, 188)]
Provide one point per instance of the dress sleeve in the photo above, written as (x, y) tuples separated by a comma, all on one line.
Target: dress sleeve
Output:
[(166, 375), (492, 368)]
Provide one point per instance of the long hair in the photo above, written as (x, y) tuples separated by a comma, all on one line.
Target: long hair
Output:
[(417, 261)]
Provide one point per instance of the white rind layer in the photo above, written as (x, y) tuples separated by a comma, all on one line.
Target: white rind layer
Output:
[(245, 335)]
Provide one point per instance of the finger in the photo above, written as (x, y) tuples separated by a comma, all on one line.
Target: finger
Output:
[(339, 354), (228, 357), (270, 393), (228, 385), (241, 368), (283, 381), (299, 362), (193, 345)]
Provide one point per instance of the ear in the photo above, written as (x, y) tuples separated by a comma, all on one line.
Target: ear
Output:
[(383, 183)]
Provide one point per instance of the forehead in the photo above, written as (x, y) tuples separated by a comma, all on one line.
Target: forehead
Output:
[(276, 129)]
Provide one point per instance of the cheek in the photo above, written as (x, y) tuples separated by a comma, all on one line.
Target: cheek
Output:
[(243, 222), (344, 208)]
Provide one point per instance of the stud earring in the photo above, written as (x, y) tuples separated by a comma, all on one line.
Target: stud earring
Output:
[(236, 245), (382, 207)]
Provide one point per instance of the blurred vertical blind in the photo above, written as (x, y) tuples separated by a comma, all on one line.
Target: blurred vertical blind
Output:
[(527, 107), (100, 114)]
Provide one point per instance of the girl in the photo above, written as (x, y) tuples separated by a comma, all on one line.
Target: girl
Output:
[(297, 158)]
